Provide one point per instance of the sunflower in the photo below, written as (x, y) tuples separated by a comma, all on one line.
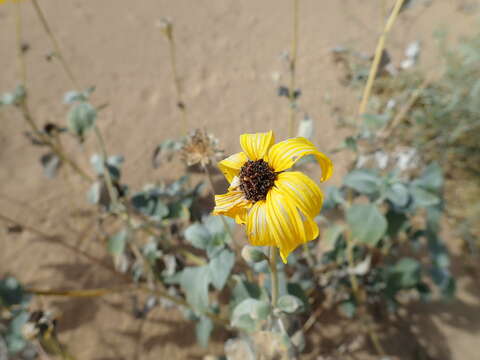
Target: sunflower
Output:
[(277, 206)]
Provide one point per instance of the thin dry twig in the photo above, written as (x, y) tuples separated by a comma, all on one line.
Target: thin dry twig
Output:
[(378, 55)]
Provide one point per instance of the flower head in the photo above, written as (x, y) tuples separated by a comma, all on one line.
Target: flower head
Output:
[(200, 148), (277, 206)]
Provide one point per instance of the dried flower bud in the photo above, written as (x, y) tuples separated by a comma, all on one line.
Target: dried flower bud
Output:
[(166, 26), (200, 148)]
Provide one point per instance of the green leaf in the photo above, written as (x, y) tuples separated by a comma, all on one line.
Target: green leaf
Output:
[(113, 164), (333, 197), (203, 330), (289, 304), (348, 308), (15, 97), (194, 282), (198, 235), (117, 242), (220, 268), (368, 225), (375, 121), (431, 178), (247, 314), (363, 180), (396, 222), (149, 203), (397, 193), (424, 198), (332, 234), (12, 293), (81, 118), (404, 274), (244, 289), (14, 338)]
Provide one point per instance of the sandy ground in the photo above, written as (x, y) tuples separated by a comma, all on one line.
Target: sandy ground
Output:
[(229, 53)]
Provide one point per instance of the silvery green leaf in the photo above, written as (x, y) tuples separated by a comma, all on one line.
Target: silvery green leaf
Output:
[(15, 97), (194, 282), (362, 267), (332, 234), (50, 163), (81, 118), (215, 224), (363, 180), (248, 312), (72, 96), (198, 235), (424, 198), (431, 178), (117, 242), (220, 268), (398, 194), (93, 194), (150, 204), (375, 121), (404, 274), (305, 128), (289, 304), (348, 308), (203, 330), (13, 338), (333, 197), (368, 225), (12, 292)]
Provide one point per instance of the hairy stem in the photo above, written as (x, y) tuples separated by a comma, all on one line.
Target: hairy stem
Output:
[(272, 261)]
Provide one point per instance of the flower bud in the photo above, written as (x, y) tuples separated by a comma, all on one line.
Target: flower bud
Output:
[(251, 254)]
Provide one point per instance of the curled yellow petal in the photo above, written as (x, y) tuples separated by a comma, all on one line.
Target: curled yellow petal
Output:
[(232, 204), (302, 190), (257, 225), (285, 223), (285, 154), (230, 167), (257, 145)]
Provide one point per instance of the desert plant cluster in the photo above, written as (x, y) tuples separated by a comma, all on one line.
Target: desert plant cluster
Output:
[(263, 261)]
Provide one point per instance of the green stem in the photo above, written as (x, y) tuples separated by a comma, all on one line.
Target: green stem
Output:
[(56, 46), (272, 261)]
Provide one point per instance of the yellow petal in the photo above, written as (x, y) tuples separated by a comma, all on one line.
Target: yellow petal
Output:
[(285, 154), (256, 145), (230, 167), (284, 221), (257, 225), (232, 204), (311, 229), (303, 191)]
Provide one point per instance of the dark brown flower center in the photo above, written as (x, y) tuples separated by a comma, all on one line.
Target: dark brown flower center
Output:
[(256, 179)]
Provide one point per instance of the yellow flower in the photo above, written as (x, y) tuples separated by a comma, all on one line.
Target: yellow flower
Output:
[(276, 206)]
